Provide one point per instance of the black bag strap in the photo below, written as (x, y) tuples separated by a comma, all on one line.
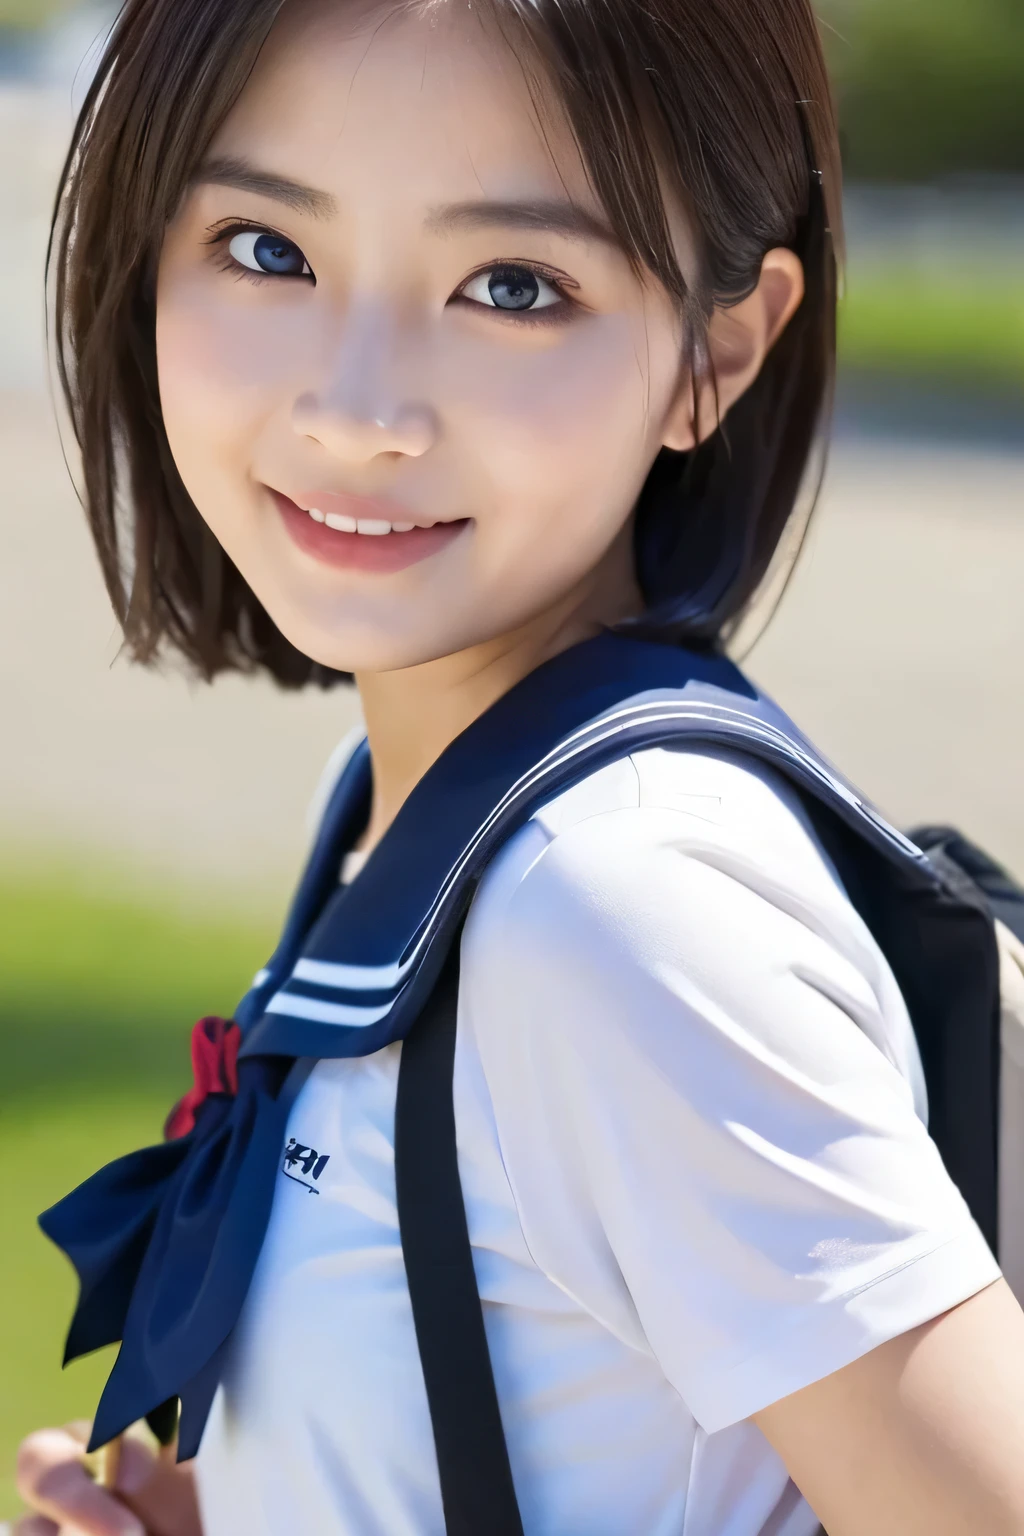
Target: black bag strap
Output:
[(472, 1458), (1002, 892)]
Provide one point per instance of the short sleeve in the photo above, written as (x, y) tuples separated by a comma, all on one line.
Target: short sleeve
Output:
[(700, 1074)]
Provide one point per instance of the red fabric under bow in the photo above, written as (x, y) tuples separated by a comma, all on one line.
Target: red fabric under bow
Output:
[(215, 1045)]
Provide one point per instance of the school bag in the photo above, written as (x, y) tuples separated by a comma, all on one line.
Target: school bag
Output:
[(964, 862), (475, 1475), (165, 1240)]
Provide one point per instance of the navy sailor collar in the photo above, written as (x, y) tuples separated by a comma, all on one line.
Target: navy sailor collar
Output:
[(165, 1240), (356, 962)]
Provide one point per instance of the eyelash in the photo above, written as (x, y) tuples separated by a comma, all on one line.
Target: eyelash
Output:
[(552, 314), (220, 237)]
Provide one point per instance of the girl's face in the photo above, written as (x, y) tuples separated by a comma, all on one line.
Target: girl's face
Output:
[(390, 301)]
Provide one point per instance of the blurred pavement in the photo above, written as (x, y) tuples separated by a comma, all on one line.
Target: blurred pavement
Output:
[(898, 648)]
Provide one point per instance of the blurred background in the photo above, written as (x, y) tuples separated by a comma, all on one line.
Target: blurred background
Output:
[(150, 829)]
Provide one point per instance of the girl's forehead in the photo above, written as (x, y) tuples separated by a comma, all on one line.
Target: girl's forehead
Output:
[(424, 101)]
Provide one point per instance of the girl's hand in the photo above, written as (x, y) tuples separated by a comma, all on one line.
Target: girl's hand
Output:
[(153, 1497)]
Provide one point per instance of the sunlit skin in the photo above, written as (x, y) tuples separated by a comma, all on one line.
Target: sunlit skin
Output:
[(380, 371)]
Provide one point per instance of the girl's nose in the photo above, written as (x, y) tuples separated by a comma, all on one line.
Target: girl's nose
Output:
[(362, 406), (358, 433)]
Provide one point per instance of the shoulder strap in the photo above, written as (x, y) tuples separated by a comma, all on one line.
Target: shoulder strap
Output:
[(472, 1458)]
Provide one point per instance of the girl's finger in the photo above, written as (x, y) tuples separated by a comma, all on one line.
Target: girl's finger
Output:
[(161, 1492), (52, 1480), (34, 1525)]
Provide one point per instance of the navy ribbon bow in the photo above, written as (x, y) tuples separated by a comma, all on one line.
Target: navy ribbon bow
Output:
[(165, 1240)]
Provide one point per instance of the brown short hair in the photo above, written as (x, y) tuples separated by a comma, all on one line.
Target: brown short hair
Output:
[(727, 98)]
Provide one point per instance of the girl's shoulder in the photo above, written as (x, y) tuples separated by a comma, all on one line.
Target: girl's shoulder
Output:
[(690, 817), (674, 872), (716, 803)]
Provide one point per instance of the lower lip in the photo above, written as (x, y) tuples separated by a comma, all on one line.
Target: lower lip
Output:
[(364, 551)]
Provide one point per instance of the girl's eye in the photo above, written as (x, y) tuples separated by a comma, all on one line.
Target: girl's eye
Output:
[(272, 255), (512, 289)]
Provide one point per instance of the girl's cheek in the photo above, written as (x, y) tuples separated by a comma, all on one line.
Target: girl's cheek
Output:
[(223, 367), (573, 413)]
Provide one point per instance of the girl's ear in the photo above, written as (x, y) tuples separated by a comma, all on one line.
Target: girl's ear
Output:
[(739, 339)]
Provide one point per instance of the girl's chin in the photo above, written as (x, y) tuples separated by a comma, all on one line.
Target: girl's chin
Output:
[(354, 646), (393, 640)]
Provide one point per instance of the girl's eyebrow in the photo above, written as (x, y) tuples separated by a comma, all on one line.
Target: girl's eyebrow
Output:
[(553, 215), (227, 171)]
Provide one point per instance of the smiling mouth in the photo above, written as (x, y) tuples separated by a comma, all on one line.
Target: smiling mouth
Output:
[(372, 544), (373, 527)]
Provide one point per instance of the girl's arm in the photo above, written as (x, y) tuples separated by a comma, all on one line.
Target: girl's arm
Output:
[(154, 1496), (924, 1436)]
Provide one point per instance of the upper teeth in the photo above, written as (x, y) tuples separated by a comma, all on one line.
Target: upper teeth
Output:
[(373, 525)]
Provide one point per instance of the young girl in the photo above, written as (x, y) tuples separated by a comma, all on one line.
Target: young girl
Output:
[(479, 351)]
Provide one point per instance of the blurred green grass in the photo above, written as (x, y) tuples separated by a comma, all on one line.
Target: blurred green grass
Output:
[(927, 88), (966, 328), (26, 14), (98, 991)]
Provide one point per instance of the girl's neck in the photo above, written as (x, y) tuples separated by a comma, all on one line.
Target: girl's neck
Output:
[(414, 713)]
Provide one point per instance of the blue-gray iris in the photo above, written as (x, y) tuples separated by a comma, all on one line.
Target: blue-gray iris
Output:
[(513, 288), (275, 254)]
